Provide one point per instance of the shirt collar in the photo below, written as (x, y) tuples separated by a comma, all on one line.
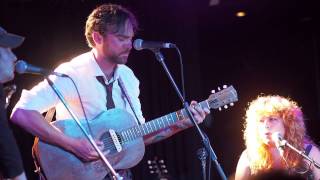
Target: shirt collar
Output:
[(96, 70)]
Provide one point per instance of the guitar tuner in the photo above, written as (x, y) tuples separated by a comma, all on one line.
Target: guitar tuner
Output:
[(231, 104), (219, 108), (225, 106), (213, 91), (219, 89), (224, 86)]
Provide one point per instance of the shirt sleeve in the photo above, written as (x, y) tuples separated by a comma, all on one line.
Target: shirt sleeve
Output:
[(42, 97)]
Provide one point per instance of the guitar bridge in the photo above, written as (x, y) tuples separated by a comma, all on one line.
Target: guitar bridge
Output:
[(115, 140)]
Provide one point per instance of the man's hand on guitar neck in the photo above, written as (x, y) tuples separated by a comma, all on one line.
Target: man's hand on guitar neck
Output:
[(199, 114)]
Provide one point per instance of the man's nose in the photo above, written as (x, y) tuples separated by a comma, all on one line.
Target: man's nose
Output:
[(13, 57), (128, 45)]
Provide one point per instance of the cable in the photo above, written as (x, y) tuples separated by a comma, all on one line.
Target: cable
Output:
[(79, 97), (182, 72)]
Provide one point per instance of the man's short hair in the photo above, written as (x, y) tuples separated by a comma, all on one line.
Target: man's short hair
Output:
[(108, 18)]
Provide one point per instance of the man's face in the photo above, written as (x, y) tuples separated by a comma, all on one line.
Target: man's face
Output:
[(7, 60), (116, 46)]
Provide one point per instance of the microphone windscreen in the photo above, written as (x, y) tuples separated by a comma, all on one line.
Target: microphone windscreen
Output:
[(21, 67), (137, 44)]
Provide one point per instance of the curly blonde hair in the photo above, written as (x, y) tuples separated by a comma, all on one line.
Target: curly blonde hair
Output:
[(295, 133)]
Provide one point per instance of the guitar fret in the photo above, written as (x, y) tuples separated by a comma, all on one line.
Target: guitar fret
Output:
[(164, 123), (134, 132), (173, 120), (154, 124), (147, 128), (153, 129), (173, 117), (150, 127), (130, 134), (123, 134), (167, 120), (127, 135), (159, 123), (139, 132), (144, 132)]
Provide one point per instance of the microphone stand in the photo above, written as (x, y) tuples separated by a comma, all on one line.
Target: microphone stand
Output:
[(204, 139), (88, 136), (202, 156), (302, 153)]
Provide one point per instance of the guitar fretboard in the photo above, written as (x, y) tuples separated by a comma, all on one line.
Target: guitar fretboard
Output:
[(156, 124)]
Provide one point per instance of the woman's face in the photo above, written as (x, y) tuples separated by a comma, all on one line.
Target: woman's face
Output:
[(269, 125)]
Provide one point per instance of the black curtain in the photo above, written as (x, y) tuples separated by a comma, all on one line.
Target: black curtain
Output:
[(272, 50)]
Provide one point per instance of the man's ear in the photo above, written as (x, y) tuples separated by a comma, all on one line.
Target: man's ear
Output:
[(97, 37)]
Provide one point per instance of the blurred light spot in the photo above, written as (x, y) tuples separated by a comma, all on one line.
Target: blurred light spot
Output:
[(214, 2), (241, 14)]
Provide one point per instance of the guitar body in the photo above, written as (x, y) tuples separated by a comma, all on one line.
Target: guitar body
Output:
[(58, 163)]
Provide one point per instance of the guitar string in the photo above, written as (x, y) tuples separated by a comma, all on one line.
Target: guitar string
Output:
[(107, 141)]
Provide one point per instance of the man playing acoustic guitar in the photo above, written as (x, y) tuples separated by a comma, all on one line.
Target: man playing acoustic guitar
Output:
[(101, 80)]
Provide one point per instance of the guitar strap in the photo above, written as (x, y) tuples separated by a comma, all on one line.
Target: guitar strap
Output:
[(38, 170), (125, 93)]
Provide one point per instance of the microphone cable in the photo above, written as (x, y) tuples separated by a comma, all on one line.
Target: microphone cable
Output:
[(181, 71)]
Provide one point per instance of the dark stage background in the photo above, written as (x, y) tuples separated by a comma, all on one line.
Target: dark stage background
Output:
[(272, 50)]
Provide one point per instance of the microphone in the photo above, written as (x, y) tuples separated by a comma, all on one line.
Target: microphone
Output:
[(140, 44), (22, 67), (279, 142)]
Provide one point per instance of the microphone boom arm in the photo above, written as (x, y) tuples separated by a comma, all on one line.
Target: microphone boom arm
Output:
[(302, 153)]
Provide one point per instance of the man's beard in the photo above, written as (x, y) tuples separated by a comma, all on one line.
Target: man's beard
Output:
[(119, 58)]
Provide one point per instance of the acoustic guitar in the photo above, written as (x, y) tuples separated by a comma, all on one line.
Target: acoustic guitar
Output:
[(122, 140)]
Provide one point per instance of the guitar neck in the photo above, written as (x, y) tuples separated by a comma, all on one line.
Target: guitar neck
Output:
[(157, 124)]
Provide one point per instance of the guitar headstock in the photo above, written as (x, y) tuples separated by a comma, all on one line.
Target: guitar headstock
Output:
[(157, 167), (223, 97)]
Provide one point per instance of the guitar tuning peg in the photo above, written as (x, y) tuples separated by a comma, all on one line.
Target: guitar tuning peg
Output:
[(220, 109), (225, 106), (149, 162), (213, 91), (151, 172), (161, 161), (231, 104), (224, 86), (150, 167), (219, 88)]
